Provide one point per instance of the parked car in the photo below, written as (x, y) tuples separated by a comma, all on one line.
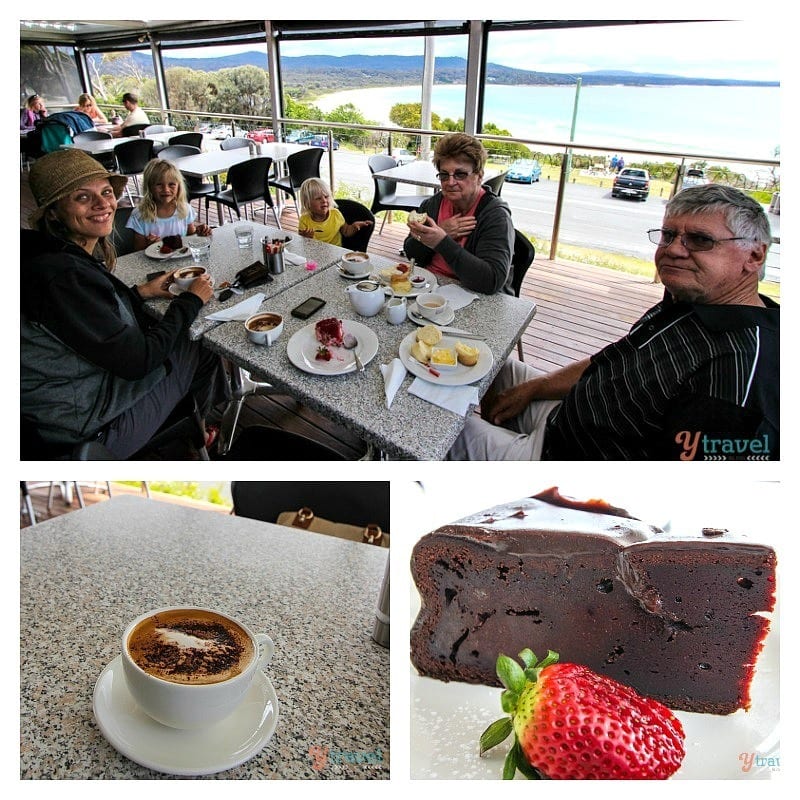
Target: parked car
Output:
[(694, 177), (322, 141), (261, 135), (524, 170), (300, 137), (632, 182), (225, 132), (403, 156)]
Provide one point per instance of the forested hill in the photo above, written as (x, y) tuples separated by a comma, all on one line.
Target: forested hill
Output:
[(343, 72)]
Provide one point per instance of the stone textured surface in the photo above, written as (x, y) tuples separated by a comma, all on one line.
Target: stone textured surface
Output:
[(85, 575)]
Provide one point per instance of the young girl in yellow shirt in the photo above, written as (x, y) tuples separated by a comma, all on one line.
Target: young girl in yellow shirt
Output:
[(321, 219)]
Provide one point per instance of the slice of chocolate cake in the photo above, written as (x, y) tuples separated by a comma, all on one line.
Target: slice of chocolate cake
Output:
[(679, 618)]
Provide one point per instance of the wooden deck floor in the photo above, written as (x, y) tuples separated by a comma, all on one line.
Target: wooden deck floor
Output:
[(580, 309)]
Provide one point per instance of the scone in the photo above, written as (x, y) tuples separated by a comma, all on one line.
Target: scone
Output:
[(468, 356), (429, 334), (417, 216)]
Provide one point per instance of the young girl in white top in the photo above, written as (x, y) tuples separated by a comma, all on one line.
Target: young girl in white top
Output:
[(164, 209)]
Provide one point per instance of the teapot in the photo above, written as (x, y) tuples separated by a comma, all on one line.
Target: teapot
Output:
[(366, 297)]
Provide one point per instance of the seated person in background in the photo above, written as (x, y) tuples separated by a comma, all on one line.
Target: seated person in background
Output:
[(136, 116), (468, 234), (94, 364), (33, 112), (321, 219), (698, 375), (163, 209), (87, 105)]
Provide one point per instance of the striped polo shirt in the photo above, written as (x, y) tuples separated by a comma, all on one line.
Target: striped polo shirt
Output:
[(690, 382)]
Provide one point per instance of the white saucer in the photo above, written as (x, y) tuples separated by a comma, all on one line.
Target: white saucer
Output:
[(222, 746), (417, 318), (173, 288), (341, 270)]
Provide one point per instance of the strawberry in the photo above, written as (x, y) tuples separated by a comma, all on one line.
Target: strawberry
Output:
[(571, 723)]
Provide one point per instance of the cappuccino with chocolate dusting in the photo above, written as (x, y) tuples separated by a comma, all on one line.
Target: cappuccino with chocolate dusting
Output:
[(190, 646)]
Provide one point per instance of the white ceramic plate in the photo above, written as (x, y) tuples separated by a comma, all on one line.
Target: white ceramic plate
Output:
[(216, 748), (417, 318), (430, 284), (302, 350), (461, 375), (154, 251)]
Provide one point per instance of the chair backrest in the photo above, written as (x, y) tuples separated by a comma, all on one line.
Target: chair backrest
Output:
[(496, 183), (135, 130), (353, 211), (303, 165), (158, 129), (234, 143), (524, 253), (122, 237), (132, 157), (353, 502), (190, 137), (172, 151), (383, 188), (248, 179), (90, 136)]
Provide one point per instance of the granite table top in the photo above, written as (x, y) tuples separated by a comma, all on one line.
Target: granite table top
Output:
[(85, 575), (412, 428)]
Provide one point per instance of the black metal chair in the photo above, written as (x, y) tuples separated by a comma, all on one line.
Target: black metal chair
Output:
[(496, 183), (247, 182), (353, 211), (132, 158), (234, 143), (299, 167), (195, 188), (191, 138), (135, 130), (353, 502), (521, 260), (173, 151), (386, 197), (121, 237)]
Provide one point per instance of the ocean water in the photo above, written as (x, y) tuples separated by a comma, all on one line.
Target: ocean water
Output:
[(708, 120)]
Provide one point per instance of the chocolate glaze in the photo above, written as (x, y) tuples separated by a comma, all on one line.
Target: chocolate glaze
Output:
[(678, 617)]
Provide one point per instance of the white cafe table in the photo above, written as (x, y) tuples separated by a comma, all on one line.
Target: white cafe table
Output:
[(85, 575), (417, 173), (99, 147)]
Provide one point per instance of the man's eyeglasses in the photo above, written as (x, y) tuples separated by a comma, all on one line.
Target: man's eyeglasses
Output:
[(693, 242), (459, 175)]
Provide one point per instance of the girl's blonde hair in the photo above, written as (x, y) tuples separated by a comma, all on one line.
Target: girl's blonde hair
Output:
[(310, 189), (159, 169)]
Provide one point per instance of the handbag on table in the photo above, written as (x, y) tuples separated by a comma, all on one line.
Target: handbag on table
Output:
[(305, 519)]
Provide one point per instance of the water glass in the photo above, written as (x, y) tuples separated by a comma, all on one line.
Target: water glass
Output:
[(244, 236), (200, 248)]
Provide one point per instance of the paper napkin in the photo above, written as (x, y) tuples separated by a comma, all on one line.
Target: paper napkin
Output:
[(293, 259), (457, 399), (240, 312), (393, 375), (457, 296)]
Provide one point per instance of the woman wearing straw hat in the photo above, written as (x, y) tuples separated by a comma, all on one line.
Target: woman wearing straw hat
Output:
[(95, 365)]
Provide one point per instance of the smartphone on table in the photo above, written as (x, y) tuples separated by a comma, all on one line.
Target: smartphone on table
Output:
[(308, 307)]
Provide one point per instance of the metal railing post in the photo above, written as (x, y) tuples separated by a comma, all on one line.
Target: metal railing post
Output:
[(562, 183)]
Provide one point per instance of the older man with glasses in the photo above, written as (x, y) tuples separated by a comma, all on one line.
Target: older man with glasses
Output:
[(468, 233), (697, 377)]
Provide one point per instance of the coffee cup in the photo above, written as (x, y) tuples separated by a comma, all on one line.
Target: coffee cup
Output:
[(264, 328), (433, 306), (191, 667), (396, 310), (355, 263), (186, 275)]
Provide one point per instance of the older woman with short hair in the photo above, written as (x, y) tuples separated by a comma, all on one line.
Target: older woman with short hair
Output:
[(95, 366), (468, 233)]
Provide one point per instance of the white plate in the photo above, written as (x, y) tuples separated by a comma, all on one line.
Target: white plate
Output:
[(218, 747), (416, 317), (344, 274), (302, 349), (447, 720), (154, 251), (430, 284), (461, 375)]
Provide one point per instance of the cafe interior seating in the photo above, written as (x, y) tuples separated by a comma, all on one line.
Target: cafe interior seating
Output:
[(106, 159), (158, 129), (352, 502), (132, 158), (299, 167), (190, 138), (521, 260), (247, 182), (496, 183), (135, 130), (386, 197), (195, 188), (353, 211), (234, 143)]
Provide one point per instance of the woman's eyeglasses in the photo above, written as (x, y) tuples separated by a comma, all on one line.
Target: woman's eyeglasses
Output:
[(693, 242), (459, 175)]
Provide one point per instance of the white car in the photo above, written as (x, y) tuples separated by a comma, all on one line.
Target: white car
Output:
[(694, 177), (225, 132), (403, 156)]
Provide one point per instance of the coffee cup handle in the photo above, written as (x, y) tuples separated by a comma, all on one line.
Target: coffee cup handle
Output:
[(267, 649)]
